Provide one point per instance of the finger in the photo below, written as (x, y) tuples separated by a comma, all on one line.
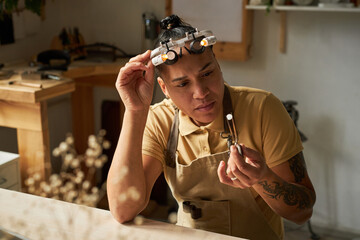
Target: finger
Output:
[(240, 178), (131, 68), (144, 58), (146, 70), (230, 174), (226, 179), (149, 63), (249, 152), (237, 158), (231, 168), (222, 175), (149, 73), (239, 168), (252, 162), (239, 184), (234, 151), (251, 156), (245, 162), (134, 66)]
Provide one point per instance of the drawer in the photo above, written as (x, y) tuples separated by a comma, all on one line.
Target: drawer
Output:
[(9, 175)]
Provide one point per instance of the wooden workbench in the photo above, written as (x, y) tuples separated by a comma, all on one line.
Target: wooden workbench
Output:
[(42, 218), (25, 109)]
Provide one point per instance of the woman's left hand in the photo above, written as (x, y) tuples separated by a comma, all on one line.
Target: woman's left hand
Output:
[(243, 171)]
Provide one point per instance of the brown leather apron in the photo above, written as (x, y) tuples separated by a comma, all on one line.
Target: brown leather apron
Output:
[(204, 202)]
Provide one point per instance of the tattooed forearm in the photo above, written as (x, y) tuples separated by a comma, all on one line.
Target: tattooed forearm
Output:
[(298, 167), (292, 195)]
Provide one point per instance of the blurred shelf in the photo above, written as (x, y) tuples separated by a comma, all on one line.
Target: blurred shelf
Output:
[(257, 7), (305, 8), (283, 9)]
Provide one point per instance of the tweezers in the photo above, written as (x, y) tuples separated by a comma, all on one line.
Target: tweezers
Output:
[(233, 138)]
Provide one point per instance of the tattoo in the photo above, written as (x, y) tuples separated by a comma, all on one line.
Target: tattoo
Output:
[(298, 167), (292, 195)]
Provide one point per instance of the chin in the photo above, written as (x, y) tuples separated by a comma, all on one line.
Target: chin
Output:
[(205, 119)]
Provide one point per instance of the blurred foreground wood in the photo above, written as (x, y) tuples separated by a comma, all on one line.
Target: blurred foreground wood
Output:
[(42, 218)]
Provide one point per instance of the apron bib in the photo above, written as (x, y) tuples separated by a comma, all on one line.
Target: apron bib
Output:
[(204, 202)]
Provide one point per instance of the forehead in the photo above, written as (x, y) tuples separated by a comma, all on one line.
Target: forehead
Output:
[(187, 64)]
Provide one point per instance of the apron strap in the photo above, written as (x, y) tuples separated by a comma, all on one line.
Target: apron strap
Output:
[(172, 143), (227, 108), (170, 152)]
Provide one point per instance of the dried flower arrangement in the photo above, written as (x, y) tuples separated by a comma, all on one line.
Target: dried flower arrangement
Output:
[(75, 182)]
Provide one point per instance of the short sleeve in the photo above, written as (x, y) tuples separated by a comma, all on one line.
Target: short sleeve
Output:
[(154, 138), (281, 139)]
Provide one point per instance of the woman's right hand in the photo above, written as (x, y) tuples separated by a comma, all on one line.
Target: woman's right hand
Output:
[(135, 82)]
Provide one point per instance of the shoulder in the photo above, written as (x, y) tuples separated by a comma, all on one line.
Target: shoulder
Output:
[(239, 91), (250, 97), (162, 110), (160, 115), (157, 129)]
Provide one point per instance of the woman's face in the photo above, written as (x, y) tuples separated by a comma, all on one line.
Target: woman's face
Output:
[(195, 85)]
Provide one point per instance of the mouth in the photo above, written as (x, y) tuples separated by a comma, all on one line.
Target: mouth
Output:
[(205, 107)]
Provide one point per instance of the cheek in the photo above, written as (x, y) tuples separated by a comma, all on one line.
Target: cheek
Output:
[(183, 101), (183, 98), (216, 85)]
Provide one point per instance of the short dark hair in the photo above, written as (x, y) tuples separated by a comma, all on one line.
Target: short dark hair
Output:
[(173, 27)]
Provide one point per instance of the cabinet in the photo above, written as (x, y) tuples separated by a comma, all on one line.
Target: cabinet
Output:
[(9, 171)]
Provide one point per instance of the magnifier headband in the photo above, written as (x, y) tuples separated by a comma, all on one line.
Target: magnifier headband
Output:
[(165, 53)]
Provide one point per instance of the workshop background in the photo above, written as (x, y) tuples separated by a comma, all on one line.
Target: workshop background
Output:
[(320, 70)]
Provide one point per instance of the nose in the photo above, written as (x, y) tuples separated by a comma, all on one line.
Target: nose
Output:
[(200, 91)]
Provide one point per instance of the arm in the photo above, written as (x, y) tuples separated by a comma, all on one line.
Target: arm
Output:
[(286, 188), (289, 182), (135, 87)]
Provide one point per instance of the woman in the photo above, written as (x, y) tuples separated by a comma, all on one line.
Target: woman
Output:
[(244, 192)]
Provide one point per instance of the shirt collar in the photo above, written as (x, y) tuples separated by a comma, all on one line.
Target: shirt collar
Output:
[(186, 126)]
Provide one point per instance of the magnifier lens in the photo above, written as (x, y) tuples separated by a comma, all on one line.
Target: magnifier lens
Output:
[(171, 55), (196, 46)]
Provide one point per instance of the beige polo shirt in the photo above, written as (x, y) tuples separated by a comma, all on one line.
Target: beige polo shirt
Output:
[(262, 124), (260, 118)]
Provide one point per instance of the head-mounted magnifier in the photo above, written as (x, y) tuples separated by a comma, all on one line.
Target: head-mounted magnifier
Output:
[(166, 53)]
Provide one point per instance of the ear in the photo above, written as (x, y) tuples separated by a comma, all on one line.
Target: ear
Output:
[(162, 86)]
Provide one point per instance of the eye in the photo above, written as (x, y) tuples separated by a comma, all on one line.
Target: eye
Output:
[(207, 74), (183, 84)]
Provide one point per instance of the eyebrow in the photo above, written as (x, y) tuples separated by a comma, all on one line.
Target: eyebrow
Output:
[(184, 77), (205, 66)]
